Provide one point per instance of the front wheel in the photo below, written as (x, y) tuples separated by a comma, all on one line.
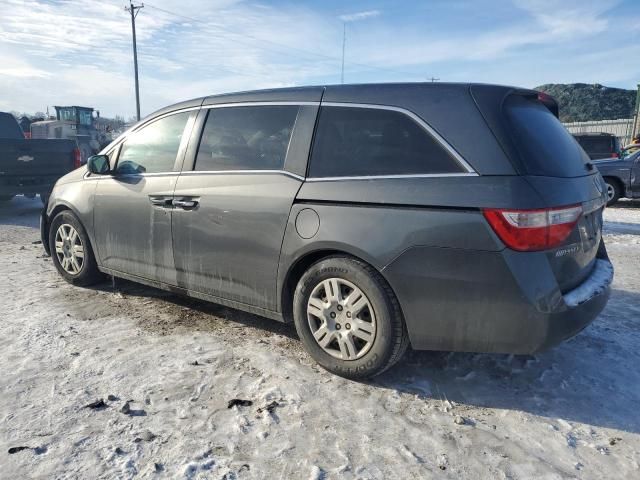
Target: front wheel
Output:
[(71, 251), (348, 318), (613, 191)]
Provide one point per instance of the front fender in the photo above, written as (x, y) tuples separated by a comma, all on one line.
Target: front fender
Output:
[(76, 196)]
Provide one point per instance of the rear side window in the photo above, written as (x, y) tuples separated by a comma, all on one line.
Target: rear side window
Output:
[(246, 138), (546, 147), (154, 147), (353, 141)]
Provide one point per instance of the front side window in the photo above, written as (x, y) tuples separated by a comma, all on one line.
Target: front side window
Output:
[(153, 148), (354, 141), (85, 117), (246, 138)]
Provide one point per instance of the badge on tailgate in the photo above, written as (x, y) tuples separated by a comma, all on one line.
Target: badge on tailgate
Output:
[(25, 158)]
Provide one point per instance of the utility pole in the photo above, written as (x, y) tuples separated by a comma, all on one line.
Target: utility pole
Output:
[(344, 41), (636, 120), (133, 10)]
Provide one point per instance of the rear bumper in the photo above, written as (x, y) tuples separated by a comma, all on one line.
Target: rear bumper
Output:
[(494, 302)]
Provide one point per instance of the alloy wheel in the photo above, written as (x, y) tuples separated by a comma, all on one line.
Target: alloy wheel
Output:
[(341, 319), (69, 249)]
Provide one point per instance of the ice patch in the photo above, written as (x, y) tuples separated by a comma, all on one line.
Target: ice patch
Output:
[(600, 278)]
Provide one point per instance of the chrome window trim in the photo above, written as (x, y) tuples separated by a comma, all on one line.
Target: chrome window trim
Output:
[(259, 104), (425, 126), (383, 177), (89, 176), (243, 172)]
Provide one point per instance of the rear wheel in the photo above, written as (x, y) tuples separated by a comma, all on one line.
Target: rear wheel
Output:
[(71, 251), (614, 192), (348, 318)]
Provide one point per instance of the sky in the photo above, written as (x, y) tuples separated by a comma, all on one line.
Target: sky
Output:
[(78, 52)]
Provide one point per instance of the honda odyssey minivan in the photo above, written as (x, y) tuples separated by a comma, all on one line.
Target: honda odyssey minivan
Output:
[(457, 217)]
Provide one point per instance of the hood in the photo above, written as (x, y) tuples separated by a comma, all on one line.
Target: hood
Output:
[(73, 176)]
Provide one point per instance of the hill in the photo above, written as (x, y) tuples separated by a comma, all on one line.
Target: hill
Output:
[(581, 102)]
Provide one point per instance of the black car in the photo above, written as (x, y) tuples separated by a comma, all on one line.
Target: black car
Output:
[(31, 166), (442, 216), (599, 145)]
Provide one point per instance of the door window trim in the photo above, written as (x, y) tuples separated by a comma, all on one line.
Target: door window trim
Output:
[(182, 148), (200, 125), (243, 172)]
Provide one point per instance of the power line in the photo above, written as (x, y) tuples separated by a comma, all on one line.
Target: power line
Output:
[(288, 48), (133, 10)]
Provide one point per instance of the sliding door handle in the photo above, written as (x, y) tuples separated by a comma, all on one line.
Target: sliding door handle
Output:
[(185, 203), (160, 200)]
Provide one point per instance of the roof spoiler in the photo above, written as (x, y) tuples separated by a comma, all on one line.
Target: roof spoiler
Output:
[(549, 102), (544, 98)]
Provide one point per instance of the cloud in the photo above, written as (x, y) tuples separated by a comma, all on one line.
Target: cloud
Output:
[(354, 17), (80, 51)]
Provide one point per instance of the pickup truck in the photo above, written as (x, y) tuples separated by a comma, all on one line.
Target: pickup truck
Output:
[(31, 167), (622, 176)]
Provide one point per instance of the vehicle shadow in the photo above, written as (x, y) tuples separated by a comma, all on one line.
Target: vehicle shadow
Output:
[(194, 314), (627, 203), (592, 378), (580, 380)]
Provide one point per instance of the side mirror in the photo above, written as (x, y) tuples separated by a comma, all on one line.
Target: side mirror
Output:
[(98, 164)]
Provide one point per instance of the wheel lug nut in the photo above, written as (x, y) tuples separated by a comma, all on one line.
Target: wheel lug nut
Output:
[(348, 314), (338, 326), (339, 308), (348, 326), (332, 314)]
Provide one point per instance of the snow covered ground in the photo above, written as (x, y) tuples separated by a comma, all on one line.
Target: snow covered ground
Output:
[(571, 412)]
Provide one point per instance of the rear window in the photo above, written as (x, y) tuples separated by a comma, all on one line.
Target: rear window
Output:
[(546, 147), (355, 141)]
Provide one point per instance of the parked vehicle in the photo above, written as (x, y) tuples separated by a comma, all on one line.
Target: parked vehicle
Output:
[(76, 123), (31, 167), (622, 177), (446, 216), (599, 145)]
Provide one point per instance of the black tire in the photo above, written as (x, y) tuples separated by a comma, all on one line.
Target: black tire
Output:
[(614, 192), (88, 273), (391, 338)]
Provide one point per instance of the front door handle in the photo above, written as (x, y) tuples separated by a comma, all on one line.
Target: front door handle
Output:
[(185, 203)]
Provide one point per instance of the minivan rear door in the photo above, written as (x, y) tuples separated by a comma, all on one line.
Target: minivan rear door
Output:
[(552, 162)]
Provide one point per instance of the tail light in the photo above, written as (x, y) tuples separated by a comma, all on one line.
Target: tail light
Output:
[(77, 158), (533, 230)]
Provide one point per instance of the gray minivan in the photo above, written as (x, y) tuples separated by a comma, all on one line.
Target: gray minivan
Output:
[(458, 217)]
